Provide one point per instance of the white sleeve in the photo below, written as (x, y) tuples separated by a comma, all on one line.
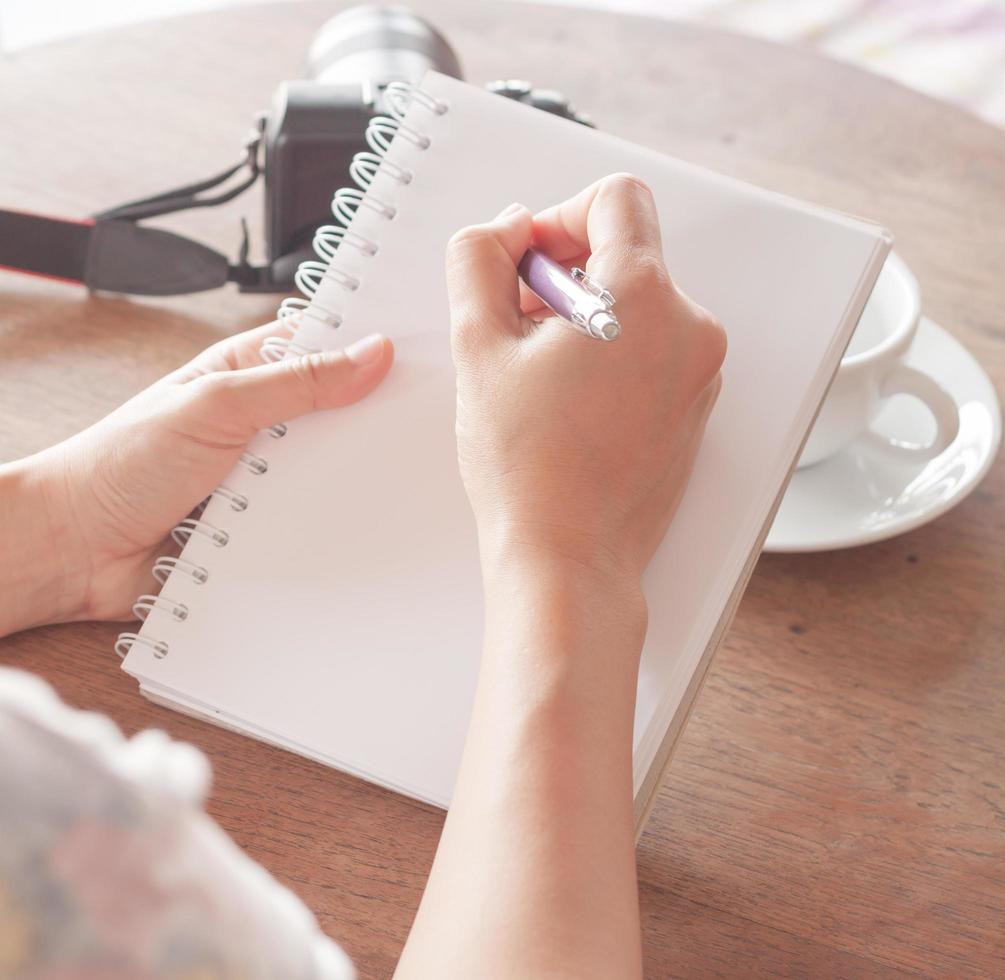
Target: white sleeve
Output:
[(110, 867)]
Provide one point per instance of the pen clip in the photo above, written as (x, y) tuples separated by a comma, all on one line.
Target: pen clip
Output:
[(592, 286)]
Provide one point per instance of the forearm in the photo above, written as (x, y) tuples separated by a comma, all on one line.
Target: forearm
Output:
[(42, 570), (535, 872)]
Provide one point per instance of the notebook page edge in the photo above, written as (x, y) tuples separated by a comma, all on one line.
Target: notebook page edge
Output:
[(648, 787), (173, 700), (444, 84)]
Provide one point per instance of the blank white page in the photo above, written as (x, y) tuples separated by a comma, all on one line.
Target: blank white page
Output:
[(343, 619)]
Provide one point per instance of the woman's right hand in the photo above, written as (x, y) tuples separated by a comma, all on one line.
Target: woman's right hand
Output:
[(569, 446), (574, 453)]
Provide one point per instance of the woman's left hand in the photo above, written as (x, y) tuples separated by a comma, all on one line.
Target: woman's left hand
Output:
[(90, 514)]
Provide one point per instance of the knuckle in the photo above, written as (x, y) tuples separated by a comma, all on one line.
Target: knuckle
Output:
[(711, 346), (307, 370), (214, 393), (707, 396), (216, 351), (465, 333), (645, 272), (713, 393), (716, 340), (466, 240), (626, 183)]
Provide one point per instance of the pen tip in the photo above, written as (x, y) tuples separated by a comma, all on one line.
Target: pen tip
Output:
[(606, 327)]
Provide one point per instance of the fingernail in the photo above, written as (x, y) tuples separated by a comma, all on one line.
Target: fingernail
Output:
[(365, 351), (507, 211)]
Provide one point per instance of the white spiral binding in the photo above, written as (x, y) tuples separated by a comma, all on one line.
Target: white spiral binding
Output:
[(127, 641), (311, 274), (192, 525), (328, 240), (167, 564), (145, 604), (276, 348), (254, 464), (238, 501), (365, 165)]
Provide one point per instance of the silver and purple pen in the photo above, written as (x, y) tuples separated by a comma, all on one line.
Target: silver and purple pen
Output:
[(574, 296)]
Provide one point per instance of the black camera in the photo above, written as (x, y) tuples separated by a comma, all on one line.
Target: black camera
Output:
[(303, 145), (316, 125)]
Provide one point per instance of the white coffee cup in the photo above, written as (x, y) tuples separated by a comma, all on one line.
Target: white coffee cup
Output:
[(873, 370)]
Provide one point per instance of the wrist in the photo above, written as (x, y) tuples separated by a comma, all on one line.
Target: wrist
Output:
[(590, 589), (576, 554), (45, 580)]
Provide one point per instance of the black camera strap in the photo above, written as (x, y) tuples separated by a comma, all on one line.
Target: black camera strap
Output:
[(117, 256), (112, 252), (188, 196), (44, 246)]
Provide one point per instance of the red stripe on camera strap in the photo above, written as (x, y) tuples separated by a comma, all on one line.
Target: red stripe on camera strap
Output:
[(45, 246)]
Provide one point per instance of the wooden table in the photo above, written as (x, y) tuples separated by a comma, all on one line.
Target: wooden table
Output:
[(836, 805)]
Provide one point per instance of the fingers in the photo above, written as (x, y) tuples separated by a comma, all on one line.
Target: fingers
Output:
[(614, 221), (611, 227), (230, 354), (482, 280), (242, 349), (243, 401)]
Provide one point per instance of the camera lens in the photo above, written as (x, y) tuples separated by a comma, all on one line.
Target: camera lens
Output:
[(379, 44)]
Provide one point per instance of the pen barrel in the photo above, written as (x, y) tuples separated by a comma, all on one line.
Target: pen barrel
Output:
[(551, 283)]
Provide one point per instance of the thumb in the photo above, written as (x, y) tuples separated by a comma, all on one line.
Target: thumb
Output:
[(482, 281), (257, 397)]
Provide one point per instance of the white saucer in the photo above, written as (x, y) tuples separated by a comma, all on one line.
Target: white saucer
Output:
[(872, 490)]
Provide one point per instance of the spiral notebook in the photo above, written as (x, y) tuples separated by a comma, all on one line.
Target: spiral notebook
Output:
[(328, 598)]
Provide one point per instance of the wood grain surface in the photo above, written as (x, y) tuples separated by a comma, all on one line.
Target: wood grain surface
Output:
[(836, 806)]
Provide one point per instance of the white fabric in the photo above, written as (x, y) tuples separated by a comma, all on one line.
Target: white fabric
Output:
[(109, 867)]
